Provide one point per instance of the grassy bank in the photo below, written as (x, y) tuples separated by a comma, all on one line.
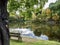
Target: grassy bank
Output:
[(14, 42)]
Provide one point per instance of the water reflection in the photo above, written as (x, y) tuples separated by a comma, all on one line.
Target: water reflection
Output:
[(28, 33), (35, 30)]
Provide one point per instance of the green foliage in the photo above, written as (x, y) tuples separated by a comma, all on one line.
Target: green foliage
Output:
[(55, 7), (26, 3), (13, 5), (25, 6)]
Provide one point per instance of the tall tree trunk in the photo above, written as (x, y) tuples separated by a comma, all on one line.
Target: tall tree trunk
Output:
[(4, 30)]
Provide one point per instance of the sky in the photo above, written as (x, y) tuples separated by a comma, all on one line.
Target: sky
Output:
[(48, 3)]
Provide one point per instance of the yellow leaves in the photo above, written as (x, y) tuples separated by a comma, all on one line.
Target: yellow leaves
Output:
[(55, 17), (48, 11)]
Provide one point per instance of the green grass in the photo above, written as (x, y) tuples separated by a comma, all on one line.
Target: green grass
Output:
[(14, 42)]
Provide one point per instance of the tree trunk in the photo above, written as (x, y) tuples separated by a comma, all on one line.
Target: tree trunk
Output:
[(4, 30)]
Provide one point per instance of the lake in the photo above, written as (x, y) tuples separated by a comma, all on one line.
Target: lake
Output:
[(52, 31)]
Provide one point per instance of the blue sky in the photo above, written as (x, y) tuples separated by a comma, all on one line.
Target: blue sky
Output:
[(48, 3)]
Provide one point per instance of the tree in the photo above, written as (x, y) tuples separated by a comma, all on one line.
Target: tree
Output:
[(4, 30), (26, 6), (55, 7)]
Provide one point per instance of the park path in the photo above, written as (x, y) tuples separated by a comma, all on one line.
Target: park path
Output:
[(26, 39)]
